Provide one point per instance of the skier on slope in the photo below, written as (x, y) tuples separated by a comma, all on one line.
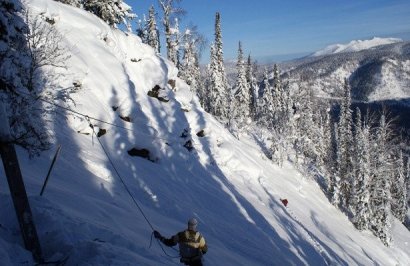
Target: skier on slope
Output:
[(191, 244)]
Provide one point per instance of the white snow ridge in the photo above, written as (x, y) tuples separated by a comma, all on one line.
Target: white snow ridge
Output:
[(355, 46)]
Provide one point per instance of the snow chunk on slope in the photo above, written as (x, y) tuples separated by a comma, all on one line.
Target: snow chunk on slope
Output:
[(355, 46)]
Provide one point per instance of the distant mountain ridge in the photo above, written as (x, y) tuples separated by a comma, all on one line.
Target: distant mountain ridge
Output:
[(378, 73), (379, 78), (356, 46)]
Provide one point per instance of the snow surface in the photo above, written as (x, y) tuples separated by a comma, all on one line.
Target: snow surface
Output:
[(355, 46), (393, 84), (228, 184)]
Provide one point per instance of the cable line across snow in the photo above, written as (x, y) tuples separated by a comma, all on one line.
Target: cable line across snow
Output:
[(126, 187), (88, 118)]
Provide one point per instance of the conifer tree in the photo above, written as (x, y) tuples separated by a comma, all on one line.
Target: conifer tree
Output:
[(113, 12), (334, 180), (253, 87), (380, 196), (76, 3), (142, 30), (307, 129), (265, 103), (219, 98), (399, 189), (153, 33), (407, 181), (241, 102), (327, 150), (345, 145), (361, 183), (189, 70), (278, 97), (169, 10)]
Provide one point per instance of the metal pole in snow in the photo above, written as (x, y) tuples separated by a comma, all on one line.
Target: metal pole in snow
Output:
[(17, 188), (49, 170)]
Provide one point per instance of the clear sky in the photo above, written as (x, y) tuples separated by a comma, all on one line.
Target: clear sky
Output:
[(284, 29)]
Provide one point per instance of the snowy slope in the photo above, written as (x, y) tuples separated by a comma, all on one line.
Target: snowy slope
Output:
[(228, 184), (376, 74), (355, 46)]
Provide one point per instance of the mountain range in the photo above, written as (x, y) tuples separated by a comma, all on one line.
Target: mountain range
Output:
[(378, 72)]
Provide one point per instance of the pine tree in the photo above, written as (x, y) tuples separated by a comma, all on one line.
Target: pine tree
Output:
[(174, 47), (189, 70), (345, 145), (142, 30), (327, 150), (278, 97), (153, 33), (361, 188), (76, 3), (265, 103), (334, 179), (241, 100), (113, 12), (398, 189), (307, 132), (219, 98), (380, 197), (253, 87), (407, 181), (169, 10)]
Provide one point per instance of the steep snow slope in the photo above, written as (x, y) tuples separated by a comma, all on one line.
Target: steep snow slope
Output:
[(355, 46), (228, 184)]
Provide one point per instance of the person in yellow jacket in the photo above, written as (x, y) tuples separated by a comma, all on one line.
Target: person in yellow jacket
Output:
[(191, 243)]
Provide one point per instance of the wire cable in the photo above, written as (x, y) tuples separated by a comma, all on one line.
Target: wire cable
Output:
[(127, 189), (119, 176), (89, 118), (95, 119)]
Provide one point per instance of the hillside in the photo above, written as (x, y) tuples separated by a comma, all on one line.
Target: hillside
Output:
[(378, 75), (375, 74), (86, 214)]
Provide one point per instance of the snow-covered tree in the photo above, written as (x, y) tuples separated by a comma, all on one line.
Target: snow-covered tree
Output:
[(345, 147), (142, 30), (360, 189), (307, 131), (113, 12), (45, 49), (399, 189), (170, 10), (219, 98), (278, 97), (253, 87), (175, 47), (189, 70), (380, 196), (334, 179), (265, 102), (152, 31), (76, 3), (327, 149), (25, 49), (241, 100)]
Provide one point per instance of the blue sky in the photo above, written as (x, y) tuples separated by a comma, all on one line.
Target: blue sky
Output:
[(288, 29)]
